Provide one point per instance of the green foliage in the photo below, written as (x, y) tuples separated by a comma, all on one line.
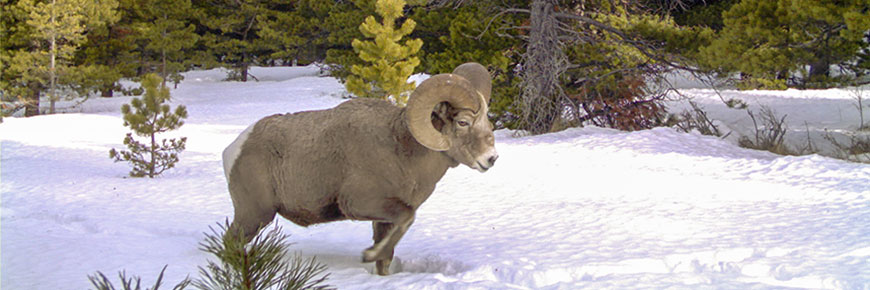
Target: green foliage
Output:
[(388, 62), (101, 282), (40, 39), (262, 264), (706, 14), (770, 42), (298, 33), (611, 82), (232, 28), (148, 117), (165, 26), (343, 26), (673, 39), (453, 36), (109, 53)]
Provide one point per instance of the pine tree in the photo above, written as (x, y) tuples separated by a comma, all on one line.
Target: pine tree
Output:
[(297, 35), (62, 24), (148, 117), (110, 51), (453, 36), (233, 32), (343, 27), (167, 30), (39, 51), (260, 264), (388, 63), (59, 24), (770, 42), (20, 80), (110, 54)]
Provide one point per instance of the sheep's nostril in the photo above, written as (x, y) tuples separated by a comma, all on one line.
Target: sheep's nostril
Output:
[(492, 160)]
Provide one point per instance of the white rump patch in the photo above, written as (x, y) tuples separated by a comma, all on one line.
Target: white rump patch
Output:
[(232, 152)]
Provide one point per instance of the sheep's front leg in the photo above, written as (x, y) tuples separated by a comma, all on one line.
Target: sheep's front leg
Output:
[(382, 250), (379, 230)]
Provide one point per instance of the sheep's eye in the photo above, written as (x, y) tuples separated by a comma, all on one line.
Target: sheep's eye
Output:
[(462, 123)]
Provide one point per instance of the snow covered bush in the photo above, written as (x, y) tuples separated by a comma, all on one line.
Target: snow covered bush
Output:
[(148, 117)]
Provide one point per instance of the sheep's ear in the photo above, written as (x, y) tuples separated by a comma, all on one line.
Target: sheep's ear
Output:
[(441, 115)]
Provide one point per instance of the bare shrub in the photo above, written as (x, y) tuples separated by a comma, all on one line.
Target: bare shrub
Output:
[(627, 104), (770, 136), (696, 119), (855, 149), (810, 147), (858, 97)]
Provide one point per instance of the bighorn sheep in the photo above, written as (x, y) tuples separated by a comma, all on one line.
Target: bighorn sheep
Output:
[(365, 159)]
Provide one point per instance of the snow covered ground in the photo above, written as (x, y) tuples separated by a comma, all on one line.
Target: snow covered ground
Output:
[(583, 208)]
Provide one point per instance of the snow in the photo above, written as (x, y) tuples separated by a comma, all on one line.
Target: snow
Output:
[(582, 208)]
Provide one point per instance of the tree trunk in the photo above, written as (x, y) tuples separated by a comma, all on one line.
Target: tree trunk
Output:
[(163, 73), (163, 53), (153, 156), (108, 91), (543, 64), (31, 108), (819, 68), (244, 72), (53, 69)]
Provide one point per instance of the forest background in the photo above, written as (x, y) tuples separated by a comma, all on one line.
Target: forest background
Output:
[(555, 63)]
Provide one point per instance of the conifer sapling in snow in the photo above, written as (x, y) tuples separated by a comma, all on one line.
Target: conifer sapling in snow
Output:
[(388, 63), (148, 117)]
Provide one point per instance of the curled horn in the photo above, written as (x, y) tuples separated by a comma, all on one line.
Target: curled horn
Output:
[(451, 88), (478, 76)]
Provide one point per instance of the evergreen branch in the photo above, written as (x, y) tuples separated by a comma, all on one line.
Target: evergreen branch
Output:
[(101, 282), (259, 265), (640, 45)]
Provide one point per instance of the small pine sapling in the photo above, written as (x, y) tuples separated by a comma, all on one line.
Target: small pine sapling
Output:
[(148, 117), (101, 282), (388, 62), (260, 264)]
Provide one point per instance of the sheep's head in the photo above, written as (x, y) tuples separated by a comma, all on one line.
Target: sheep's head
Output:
[(447, 112)]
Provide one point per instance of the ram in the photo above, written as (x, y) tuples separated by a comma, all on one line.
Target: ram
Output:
[(365, 159)]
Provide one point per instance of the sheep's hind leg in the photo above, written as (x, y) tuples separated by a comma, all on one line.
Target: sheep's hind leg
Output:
[(248, 224), (251, 214)]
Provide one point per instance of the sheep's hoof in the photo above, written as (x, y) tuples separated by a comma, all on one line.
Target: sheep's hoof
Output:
[(382, 267), (370, 255)]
